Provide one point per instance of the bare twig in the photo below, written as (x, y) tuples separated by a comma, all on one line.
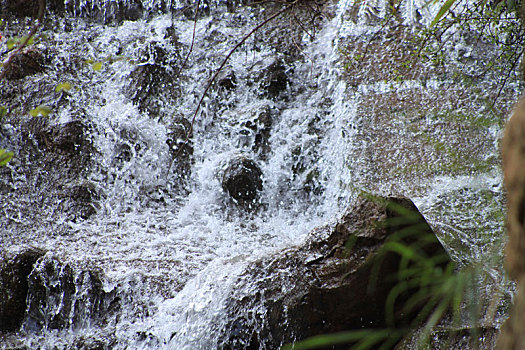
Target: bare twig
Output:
[(193, 35), (210, 82), (511, 69), (36, 24)]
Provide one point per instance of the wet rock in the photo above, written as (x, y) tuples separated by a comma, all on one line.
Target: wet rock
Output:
[(226, 79), (151, 86), (80, 200), (27, 62), (69, 137), (338, 280), (29, 8), (261, 126), (242, 179), (14, 272), (273, 79), (454, 338), (60, 297), (180, 145)]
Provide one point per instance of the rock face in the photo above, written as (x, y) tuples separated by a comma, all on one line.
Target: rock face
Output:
[(40, 292), (242, 179), (62, 153), (338, 280), (14, 272)]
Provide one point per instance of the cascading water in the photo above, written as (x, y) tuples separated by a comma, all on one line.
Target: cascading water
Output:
[(166, 244)]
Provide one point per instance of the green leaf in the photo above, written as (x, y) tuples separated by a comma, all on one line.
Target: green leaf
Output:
[(97, 66), (40, 110), (3, 111), (11, 43), (5, 157), (66, 86), (446, 6)]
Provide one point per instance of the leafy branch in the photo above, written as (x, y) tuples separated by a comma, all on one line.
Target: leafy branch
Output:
[(35, 25)]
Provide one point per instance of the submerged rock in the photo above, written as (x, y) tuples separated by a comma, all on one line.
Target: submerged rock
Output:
[(80, 200), (179, 140), (227, 79), (338, 280), (14, 272), (60, 297), (151, 85), (242, 179)]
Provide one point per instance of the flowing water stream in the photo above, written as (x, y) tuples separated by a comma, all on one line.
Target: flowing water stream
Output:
[(170, 248)]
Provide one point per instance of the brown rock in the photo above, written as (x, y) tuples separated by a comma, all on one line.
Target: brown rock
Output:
[(338, 280), (27, 62)]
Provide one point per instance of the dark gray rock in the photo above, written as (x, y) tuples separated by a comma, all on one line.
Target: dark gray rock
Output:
[(227, 79), (14, 272), (338, 280), (261, 126), (242, 179)]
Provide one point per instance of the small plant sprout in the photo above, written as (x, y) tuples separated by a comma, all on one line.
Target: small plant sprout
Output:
[(5, 157), (40, 110), (65, 86)]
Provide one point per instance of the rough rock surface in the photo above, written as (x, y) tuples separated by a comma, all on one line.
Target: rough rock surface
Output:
[(327, 284), (180, 144)]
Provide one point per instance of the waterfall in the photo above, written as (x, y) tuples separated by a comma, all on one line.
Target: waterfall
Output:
[(164, 237)]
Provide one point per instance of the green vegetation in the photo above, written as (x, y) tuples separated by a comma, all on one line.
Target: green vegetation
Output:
[(41, 110), (5, 157)]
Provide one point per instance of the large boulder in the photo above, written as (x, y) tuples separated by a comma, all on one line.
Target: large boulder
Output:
[(338, 280)]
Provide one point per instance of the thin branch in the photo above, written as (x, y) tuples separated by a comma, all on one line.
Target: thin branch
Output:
[(507, 76), (36, 24), (193, 36), (210, 82)]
